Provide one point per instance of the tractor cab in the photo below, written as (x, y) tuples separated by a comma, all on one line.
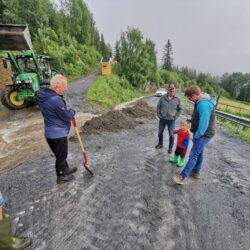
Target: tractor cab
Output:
[(26, 63), (40, 65), (44, 63)]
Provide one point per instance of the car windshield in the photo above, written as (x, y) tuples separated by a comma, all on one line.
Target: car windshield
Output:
[(161, 89)]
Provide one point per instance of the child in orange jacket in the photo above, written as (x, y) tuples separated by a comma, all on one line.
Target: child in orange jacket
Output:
[(182, 144)]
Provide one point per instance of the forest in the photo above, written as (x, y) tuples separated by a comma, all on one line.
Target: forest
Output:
[(63, 29)]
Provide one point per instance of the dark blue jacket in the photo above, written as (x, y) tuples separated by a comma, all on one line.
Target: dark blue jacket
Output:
[(57, 117)]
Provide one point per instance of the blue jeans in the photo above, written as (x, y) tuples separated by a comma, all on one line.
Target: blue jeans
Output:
[(196, 156), (171, 125)]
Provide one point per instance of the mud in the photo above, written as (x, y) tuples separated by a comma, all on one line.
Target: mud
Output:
[(21, 131), (116, 120), (131, 201)]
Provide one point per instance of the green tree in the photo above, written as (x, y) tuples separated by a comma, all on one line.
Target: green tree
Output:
[(244, 94), (117, 51), (96, 40), (202, 79), (137, 57), (237, 85), (170, 77), (208, 89), (167, 57), (233, 83), (80, 22), (9, 11), (105, 49), (152, 60)]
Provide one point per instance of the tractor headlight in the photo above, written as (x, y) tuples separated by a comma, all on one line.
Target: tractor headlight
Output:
[(27, 81)]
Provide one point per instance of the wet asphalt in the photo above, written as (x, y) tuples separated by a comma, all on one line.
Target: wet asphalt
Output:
[(131, 201)]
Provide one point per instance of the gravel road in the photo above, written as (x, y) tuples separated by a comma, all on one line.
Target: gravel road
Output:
[(130, 202), (21, 131)]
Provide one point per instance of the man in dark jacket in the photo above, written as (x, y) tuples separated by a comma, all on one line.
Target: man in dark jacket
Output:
[(57, 121), (168, 110), (203, 129)]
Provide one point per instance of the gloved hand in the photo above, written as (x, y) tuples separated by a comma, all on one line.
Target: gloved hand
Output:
[(73, 111)]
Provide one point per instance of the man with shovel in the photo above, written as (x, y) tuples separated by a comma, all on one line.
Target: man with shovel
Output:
[(57, 121)]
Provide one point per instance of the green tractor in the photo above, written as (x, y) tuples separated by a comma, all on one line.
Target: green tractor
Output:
[(28, 71)]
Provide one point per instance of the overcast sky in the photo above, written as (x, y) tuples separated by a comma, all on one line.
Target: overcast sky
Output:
[(209, 35)]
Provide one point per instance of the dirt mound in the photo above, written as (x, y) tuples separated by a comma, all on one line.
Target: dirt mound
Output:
[(140, 110), (115, 120)]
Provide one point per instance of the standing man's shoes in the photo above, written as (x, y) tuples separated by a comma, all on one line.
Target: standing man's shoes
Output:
[(178, 179), (65, 178), (159, 146), (70, 171), (170, 150), (195, 175)]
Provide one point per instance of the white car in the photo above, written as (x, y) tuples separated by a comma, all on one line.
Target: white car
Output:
[(160, 92)]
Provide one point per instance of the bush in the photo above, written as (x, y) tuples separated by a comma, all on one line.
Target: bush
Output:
[(169, 77), (70, 57), (208, 89)]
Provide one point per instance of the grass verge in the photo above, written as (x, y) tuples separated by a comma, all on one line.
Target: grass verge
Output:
[(109, 91), (234, 107), (239, 131)]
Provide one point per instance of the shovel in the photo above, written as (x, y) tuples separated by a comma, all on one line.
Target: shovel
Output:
[(85, 158)]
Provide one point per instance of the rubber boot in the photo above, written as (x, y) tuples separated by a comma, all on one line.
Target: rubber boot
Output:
[(181, 162), (7, 240), (174, 159)]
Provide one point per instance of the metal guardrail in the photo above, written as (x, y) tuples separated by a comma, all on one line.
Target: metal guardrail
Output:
[(241, 121), (233, 118)]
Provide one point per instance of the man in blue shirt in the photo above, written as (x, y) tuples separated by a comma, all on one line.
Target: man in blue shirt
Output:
[(202, 127), (57, 121)]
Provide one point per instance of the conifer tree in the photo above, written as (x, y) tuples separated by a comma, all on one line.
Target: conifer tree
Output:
[(167, 56), (117, 51)]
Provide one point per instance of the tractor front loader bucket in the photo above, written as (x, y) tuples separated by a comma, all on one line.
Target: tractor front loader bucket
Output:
[(15, 37)]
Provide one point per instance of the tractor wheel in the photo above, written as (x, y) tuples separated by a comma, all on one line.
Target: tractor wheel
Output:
[(9, 100)]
